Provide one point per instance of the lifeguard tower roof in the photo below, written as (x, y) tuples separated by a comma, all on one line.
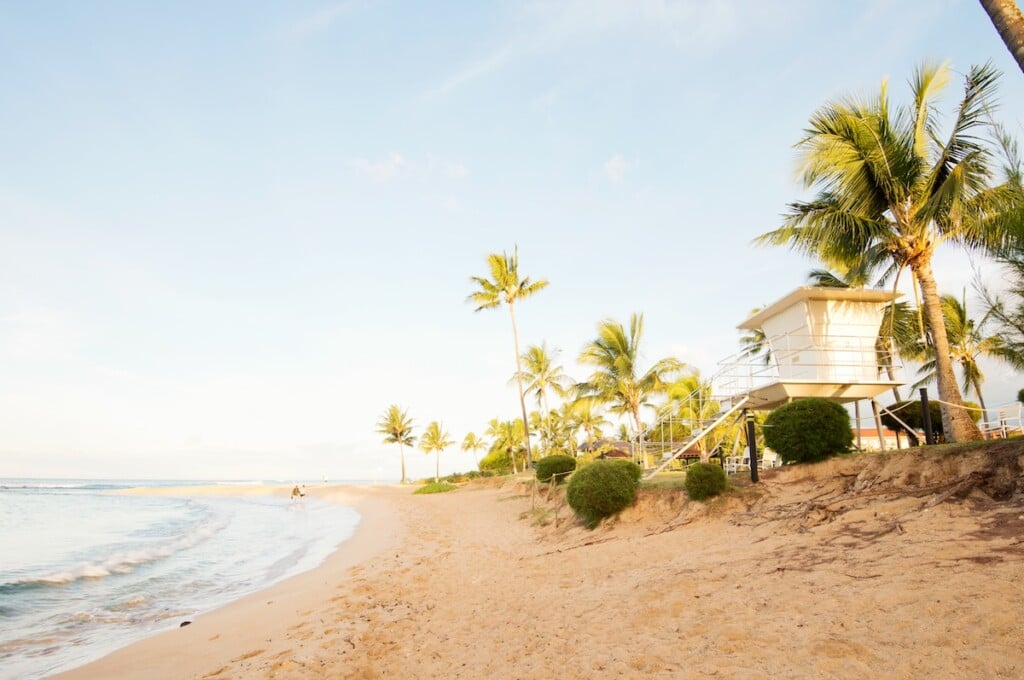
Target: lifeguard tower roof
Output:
[(819, 342), (869, 295)]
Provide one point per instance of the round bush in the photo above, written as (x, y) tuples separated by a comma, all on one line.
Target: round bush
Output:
[(808, 430), (602, 489), (558, 466), (704, 480)]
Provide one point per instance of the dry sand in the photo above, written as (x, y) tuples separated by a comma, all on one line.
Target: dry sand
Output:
[(874, 566)]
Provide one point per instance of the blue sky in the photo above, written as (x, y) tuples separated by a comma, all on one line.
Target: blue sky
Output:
[(233, 233)]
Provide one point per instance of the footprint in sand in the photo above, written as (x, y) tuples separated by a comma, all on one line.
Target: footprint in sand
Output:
[(248, 655)]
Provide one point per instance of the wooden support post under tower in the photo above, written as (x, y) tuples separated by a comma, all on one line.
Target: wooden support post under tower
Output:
[(751, 443)]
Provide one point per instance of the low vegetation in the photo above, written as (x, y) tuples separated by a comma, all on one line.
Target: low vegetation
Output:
[(704, 480), (602, 489), (557, 466), (808, 430), (436, 487)]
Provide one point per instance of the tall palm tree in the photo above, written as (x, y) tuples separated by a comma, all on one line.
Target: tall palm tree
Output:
[(1009, 22), (435, 440), (891, 180), (542, 375), (396, 426), (617, 379), (967, 342), (506, 287), (473, 444)]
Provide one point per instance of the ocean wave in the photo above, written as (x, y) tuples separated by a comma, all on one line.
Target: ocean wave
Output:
[(84, 486), (121, 562)]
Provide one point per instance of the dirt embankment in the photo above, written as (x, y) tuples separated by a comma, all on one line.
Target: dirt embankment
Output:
[(868, 494)]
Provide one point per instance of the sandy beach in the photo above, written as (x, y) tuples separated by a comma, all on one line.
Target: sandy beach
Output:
[(870, 566)]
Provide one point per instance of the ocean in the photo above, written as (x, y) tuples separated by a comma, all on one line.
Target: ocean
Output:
[(84, 571)]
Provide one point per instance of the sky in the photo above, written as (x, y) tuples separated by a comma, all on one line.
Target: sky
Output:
[(232, 233)]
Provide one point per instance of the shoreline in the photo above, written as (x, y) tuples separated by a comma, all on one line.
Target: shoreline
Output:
[(775, 581), (261, 615)]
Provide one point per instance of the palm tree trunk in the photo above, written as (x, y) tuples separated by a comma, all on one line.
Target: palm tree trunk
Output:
[(639, 440), (437, 465), (519, 382), (1009, 22), (547, 418), (401, 450), (956, 424)]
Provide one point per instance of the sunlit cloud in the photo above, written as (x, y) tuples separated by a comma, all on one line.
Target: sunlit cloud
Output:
[(616, 168), (397, 165), (383, 170)]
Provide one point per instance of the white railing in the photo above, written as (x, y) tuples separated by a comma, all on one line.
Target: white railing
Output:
[(808, 358)]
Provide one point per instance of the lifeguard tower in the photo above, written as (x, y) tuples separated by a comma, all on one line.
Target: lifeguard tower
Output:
[(817, 342)]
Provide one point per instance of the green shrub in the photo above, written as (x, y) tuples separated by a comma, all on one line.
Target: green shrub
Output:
[(704, 480), (634, 470), (496, 462), (808, 430), (435, 487), (557, 465), (602, 489)]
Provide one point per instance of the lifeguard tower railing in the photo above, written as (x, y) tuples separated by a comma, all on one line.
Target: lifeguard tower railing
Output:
[(839, 367), (843, 368)]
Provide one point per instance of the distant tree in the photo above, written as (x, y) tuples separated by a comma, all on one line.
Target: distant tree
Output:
[(587, 416), (396, 426), (506, 445), (435, 440), (617, 379), (506, 287), (542, 375), (967, 342), (473, 444)]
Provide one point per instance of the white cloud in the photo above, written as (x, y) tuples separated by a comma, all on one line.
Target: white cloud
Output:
[(323, 18), (384, 170), (396, 165), (455, 170), (693, 25), (616, 168)]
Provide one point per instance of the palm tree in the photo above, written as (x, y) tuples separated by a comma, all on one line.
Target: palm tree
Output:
[(1007, 311), (617, 380), (435, 440), (506, 287), (891, 181), (541, 375), (755, 343), (587, 415), (967, 342), (396, 426), (1009, 22), (507, 436), (473, 444)]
